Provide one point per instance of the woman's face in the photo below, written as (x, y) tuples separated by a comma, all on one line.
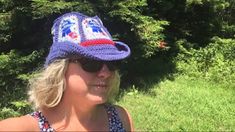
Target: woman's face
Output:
[(88, 87)]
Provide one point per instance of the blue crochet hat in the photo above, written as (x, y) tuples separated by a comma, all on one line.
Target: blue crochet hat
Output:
[(77, 35)]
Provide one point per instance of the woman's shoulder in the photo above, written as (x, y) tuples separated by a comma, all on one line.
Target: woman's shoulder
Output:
[(125, 117), (22, 123)]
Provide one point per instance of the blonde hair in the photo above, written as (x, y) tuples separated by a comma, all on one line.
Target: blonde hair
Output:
[(47, 86), (114, 89)]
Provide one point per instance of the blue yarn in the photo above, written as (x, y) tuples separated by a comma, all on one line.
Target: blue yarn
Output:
[(90, 29)]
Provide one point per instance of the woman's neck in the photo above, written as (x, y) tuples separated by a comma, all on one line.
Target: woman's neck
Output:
[(81, 115)]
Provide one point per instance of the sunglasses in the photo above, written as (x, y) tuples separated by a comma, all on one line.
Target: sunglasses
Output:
[(89, 65)]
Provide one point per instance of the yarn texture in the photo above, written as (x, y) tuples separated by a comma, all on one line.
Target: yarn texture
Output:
[(78, 35)]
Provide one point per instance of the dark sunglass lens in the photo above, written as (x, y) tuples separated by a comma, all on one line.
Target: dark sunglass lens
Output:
[(95, 66), (112, 66), (91, 66)]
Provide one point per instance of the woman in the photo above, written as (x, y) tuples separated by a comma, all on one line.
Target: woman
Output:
[(74, 90)]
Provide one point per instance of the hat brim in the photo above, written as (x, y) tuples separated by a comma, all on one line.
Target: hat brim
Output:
[(102, 52)]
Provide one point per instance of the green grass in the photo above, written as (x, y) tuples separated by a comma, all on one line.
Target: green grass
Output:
[(184, 104)]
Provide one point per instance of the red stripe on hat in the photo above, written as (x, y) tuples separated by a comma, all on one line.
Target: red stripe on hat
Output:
[(97, 42)]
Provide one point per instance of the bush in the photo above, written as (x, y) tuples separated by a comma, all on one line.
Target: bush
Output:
[(15, 70), (16, 109), (214, 62)]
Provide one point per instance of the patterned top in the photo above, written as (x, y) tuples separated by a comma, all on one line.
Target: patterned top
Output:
[(115, 124)]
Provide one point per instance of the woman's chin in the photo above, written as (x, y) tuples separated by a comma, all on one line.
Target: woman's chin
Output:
[(98, 99)]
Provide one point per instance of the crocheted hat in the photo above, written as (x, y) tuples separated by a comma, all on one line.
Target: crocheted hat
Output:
[(77, 35)]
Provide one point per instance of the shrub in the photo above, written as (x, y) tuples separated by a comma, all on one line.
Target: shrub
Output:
[(15, 69), (214, 62)]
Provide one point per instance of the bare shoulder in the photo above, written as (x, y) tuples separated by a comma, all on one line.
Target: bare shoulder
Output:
[(23, 123), (125, 118)]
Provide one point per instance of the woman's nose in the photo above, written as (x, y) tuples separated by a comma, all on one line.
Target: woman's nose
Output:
[(104, 72)]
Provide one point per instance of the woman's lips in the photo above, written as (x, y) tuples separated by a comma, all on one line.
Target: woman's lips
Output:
[(100, 86)]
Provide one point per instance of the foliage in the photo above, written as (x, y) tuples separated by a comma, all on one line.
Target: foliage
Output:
[(5, 36), (147, 30), (45, 8), (222, 15), (196, 21), (8, 112), (214, 62), (17, 108), (15, 69)]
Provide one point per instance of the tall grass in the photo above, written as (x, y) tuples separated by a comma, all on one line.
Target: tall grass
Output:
[(183, 104)]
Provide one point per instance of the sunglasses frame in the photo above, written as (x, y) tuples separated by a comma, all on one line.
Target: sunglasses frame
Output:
[(93, 66)]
